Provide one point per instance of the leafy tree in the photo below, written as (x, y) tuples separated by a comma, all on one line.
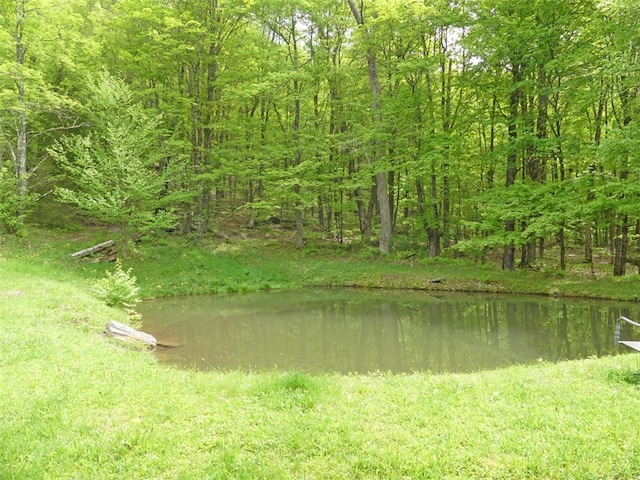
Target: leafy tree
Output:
[(619, 152), (35, 46), (292, 109), (114, 168), (377, 146)]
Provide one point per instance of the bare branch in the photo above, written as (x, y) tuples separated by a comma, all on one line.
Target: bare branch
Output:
[(41, 196), (60, 128)]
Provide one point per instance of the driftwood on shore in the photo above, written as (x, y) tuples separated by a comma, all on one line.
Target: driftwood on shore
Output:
[(125, 332), (95, 249)]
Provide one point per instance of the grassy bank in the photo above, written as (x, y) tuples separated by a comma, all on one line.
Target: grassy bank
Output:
[(166, 265), (77, 405), (231, 265)]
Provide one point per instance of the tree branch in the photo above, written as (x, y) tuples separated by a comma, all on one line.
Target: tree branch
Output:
[(62, 127), (357, 14)]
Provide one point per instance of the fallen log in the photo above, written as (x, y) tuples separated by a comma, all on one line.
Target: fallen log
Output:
[(96, 248), (125, 332)]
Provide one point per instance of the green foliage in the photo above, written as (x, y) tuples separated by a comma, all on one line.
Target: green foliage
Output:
[(269, 111), (115, 169), (118, 288), (627, 376), (12, 204)]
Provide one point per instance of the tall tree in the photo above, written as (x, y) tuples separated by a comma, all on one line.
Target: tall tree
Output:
[(621, 60), (114, 168), (386, 225), (38, 41)]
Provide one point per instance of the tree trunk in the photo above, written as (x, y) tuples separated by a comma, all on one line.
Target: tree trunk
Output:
[(299, 229), (204, 200), (420, 196), (563, 249), (433, 230), (96, 248), (446, 71), (21, 144), (621, 239), (446, 204), (433, 234), (611, 241), (508, 257), (386, 225), (321, 221), (588, 243), (365, 214), (621, 247), (298, 159), (381, 177)]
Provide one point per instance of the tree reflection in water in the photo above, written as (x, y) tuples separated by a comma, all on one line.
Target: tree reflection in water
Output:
[(355, 331)]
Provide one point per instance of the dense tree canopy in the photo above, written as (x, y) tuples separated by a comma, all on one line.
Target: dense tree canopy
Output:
[(462, 125)]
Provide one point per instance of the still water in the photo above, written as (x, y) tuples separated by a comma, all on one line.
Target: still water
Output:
[(359, 331)]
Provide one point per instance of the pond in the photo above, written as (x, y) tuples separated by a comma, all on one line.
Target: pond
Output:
[(362, 331)]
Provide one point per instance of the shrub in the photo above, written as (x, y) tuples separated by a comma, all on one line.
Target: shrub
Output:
[(12, 205), (118, 289)]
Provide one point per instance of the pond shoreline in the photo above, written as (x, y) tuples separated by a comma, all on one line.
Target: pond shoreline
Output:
[(319, 330), (114, 409)]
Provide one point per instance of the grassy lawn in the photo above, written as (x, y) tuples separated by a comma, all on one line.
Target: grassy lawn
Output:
[(78, 405)]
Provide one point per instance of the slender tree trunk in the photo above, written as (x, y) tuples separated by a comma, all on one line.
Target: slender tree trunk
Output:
[(298, 159), (21, 143), (598, 112), (508, 257), (537, 160), (433, 234), (563, 249), (420, 197), (394, 196), (621, 239), (446, 203), (381, 176), (206, 186), (296, 139), (321, 222), (611, 240), (299, 224), (492, 140), (588, 243), (621, 247), (365, 214), (433, 231), (446, 72)]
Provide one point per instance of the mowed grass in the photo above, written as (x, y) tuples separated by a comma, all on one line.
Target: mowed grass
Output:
[(76, 405)]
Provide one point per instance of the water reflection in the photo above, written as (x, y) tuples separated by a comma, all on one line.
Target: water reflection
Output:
[(364, 331)]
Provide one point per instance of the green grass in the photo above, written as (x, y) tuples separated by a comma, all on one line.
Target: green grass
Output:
[(75, 404), (166, 266)]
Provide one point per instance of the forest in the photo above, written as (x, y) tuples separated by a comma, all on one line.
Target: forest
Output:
[(469, 127)]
